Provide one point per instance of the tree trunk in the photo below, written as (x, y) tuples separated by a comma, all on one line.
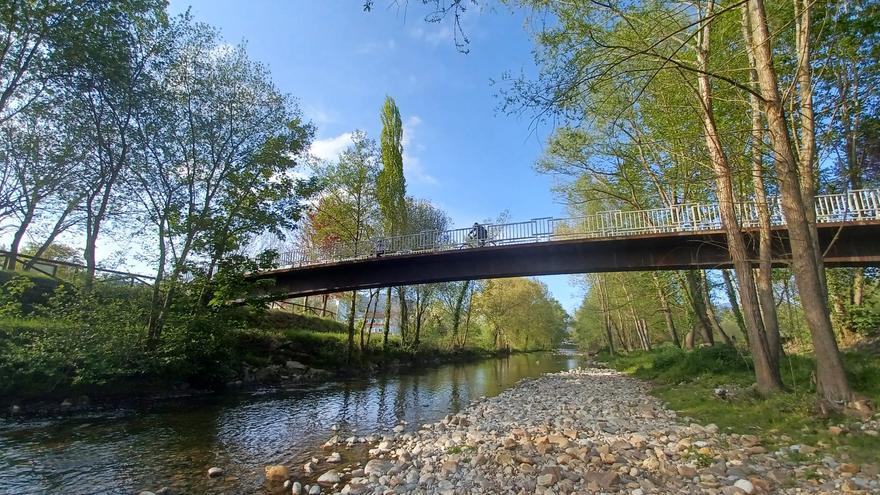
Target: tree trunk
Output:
[(456, 312), (12, 260), (370, 302), (606, 314), (156, 295), (351, 315), (467, 322), (387, 328), (710, 309), (404, 315), (734, 304), (807, 150), (766, 371), (765, 243), (831, 379), (695, 295), (57, 229), (664, 308)]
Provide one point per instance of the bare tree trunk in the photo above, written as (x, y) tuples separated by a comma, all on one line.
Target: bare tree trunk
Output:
[(467, 323), (387, 319), (57, 229), (156, 295), (807, 149), (765, 243), (734, 304), (664, 308), (404, 315), (807, 265), (373, 295), (606, 314), (695, 295), (456, 312), (351, 315), (622, 335), (858, 286), (766, 371), (710, 309), (373, 316), (12, 260)]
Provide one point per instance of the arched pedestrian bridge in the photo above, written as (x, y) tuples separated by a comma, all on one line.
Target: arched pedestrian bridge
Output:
[(679, 237)]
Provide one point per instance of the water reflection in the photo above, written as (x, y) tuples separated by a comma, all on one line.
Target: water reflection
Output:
[(174, 443)]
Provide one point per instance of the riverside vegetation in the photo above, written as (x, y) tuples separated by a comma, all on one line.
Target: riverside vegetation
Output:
[(60, 344)]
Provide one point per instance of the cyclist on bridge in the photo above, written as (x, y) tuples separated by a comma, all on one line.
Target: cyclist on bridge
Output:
[(479, 233)]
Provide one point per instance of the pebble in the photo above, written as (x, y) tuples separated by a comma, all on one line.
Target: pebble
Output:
[(214, 472), (745, 485)]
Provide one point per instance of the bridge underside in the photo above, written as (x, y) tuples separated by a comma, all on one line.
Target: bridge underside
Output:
[(849, 244)]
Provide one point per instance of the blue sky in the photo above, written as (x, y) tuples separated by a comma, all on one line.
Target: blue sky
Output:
[(340, 62)]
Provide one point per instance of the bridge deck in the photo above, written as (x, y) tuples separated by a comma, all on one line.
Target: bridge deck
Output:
[(850, 243)]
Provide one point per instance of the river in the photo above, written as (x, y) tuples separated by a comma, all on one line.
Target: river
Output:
[(173, 443)]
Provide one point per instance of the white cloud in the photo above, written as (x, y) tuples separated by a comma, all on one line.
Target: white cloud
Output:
[(412, 166), (434, 34), (330, 148), (372, 47)]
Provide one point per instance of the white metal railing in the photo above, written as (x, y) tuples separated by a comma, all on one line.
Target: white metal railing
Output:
[(856, 205)]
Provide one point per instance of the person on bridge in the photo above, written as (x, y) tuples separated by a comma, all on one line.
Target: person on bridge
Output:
[(379, 247), (479, 233)]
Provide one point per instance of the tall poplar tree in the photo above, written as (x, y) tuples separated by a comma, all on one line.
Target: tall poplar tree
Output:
[(391, 186)]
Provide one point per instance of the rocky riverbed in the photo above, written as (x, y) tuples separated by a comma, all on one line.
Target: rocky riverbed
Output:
[(581, 431)]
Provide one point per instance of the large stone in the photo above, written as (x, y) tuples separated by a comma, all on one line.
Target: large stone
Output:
[(687, 471), (329, 478), (604, 479), (745, 485), (377, 467), (546, 480), (215, 472)]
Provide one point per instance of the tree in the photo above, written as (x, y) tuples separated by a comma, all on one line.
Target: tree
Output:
[(39, 159), (108, 76), (796, 182), (220, 170), (520, 314), (423, 217), (391, 191), (346, 215)]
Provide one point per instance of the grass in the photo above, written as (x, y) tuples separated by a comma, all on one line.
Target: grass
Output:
[(686, 380)]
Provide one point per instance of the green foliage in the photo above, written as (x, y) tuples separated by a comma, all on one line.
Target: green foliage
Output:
[(520, 314), (279, 320), (12, 296)]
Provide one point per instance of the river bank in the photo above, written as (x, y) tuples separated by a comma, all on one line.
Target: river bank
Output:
[(277, 350), (287, 363), (586, 431)]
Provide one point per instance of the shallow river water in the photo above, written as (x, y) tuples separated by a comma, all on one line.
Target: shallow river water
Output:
[(173, 443)]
